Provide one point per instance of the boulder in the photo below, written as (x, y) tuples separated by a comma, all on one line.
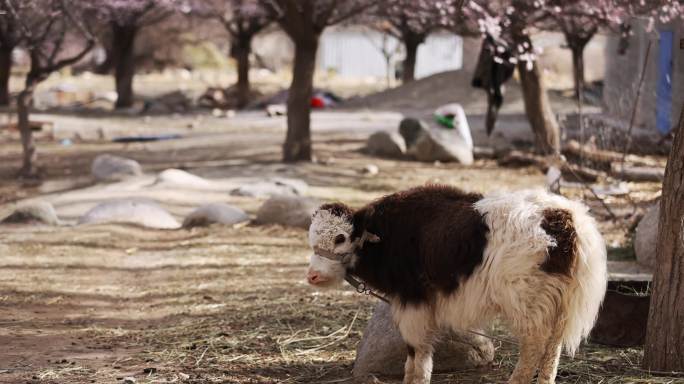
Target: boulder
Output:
[(459, 122), (382, 350), (288, 211), (40, 212), (438, 144), (182, 178), (386, 144), (175, 101), (113, 168), (215, 213), (410, 129), (646, 237), (143, 212), (277, 186)]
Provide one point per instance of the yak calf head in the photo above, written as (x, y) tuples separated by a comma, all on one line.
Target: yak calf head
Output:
[(334, 241)]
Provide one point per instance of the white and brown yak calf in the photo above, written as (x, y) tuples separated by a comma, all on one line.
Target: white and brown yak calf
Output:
[(445, 258)]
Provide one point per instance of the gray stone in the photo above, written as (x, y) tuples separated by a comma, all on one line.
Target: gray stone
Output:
[(288, 211), (113, 168), (215, 213), (387, 144), (182, 178), (370, 169), (382, 350), (277, 186), (143, 212), (175, 101), (410, 129), (40, 212), (646, 237), (438, 144)]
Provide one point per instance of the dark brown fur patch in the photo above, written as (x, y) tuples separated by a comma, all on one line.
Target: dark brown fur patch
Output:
[(431, 238), (561, 259), (337, 209)]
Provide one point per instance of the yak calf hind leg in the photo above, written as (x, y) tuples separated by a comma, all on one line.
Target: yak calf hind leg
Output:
[(548, 365), (531, 352)]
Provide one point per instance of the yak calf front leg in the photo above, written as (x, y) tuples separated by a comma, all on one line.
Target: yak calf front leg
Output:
[(417, 329), (409, 366), (418, 367), (422, 370)]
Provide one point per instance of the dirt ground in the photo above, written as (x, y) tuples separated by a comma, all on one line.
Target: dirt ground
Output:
[(105, 303)]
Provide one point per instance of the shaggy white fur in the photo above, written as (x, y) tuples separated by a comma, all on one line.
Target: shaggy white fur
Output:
[(546, 311)]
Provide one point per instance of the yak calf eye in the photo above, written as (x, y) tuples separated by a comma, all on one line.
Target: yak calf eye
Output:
[(339, 239)]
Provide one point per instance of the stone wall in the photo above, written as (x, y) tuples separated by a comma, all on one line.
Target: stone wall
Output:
[(623, 72)]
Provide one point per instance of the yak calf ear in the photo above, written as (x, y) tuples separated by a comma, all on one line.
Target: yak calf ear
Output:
[(369, 237), (360, 233)]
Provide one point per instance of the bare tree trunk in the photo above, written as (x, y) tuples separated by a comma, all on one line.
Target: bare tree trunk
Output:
[(5, 74), (297, 145), (411, 43), (387, 55), (240, 51), (664, 348), (578, 68), (389, 72), (24, 101), (538, 109), (123, 51), (577, 44)]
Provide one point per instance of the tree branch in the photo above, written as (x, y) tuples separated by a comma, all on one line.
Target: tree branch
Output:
[(71, 60), (353, 12)]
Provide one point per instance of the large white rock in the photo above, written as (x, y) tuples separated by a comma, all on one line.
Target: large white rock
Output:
[(438, 144), (182, 178), (383, 351), (215, 213), (113, 168), (277, 186), (288, 211), (460, 121), (40, 212), (144, 212), (647, 236), (388, 144)]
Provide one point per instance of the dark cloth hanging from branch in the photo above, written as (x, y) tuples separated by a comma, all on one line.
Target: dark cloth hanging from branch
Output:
[(493, 69)]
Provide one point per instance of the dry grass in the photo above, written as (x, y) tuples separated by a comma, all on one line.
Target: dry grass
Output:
[(229, 305), (217, 305)]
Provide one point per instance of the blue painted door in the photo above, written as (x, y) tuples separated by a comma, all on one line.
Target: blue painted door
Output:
[(664, 92)]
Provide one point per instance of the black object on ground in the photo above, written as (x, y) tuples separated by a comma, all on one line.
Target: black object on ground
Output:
[(145, 138)]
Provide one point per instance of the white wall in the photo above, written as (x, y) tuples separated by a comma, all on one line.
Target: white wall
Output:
[(440, 52), (356, 52)]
